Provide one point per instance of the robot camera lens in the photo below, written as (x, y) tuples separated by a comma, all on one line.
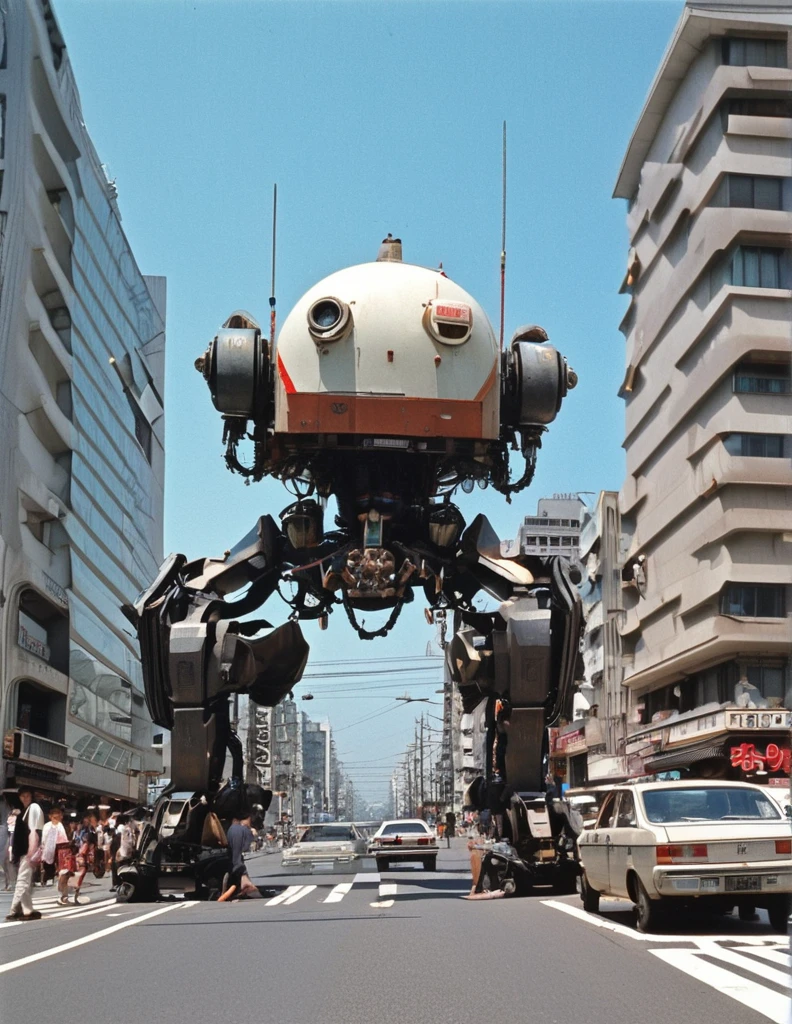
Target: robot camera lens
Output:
[(326, 314), (328, 319)]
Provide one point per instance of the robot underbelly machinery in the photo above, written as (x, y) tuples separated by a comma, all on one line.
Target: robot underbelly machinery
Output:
[(387, 390)]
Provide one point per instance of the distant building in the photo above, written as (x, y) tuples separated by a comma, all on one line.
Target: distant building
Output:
[(706, 505), (82, 345), (316, 768), (555, 528), (287, 759)]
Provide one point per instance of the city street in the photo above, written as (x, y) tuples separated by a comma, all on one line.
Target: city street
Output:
[(360, 948)]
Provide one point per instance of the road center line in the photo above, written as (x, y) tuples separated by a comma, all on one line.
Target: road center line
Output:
[(86, 938)]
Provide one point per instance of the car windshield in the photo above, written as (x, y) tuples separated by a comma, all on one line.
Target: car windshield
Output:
[(322, 833), (702, 803), (403, 828)]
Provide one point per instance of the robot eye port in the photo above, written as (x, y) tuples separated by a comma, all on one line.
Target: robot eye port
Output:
[(328, 319)]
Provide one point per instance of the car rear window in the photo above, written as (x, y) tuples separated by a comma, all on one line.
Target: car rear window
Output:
[(325, 832), (404, 828), (700, 803)]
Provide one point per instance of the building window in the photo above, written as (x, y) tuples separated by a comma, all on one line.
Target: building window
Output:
[(41, 710), (752, 267), (43, 630), (756, 446), (754, 600), (751, 106), (762, 379), (532, 541), (747, 191), (759, 53)]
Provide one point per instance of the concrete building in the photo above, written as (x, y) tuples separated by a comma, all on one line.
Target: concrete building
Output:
[(555, 528), (316, 768), (707, 501), (287, 759), (591, 747), (82, 344)]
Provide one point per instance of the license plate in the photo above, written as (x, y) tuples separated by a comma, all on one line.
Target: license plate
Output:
[(743, 883)]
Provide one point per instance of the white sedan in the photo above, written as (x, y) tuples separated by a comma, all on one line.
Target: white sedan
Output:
[(408, 839), (326, 847), (661, 844)]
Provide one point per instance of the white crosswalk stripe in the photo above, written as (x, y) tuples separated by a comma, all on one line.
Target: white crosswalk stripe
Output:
[(759, 997)]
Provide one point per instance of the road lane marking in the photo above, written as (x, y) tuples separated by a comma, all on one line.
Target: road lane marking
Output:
[(303, 891), (632, 933), (387, 889), (34, 957), (383, 903), (338, 893), (775, 956), (730, 956), (81, 912), (760, 999), (370, 879), (283, 896)]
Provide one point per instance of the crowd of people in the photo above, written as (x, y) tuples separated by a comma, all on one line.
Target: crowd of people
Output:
[(62, 845)]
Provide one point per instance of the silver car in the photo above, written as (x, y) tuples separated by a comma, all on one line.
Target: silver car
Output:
[(661, 844), (327, 847)]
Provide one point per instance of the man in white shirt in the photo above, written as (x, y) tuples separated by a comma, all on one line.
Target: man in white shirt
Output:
[(26, 854)]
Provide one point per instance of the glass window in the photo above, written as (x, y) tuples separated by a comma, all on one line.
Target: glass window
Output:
[(703, 803), (607, 814), (755, 446), (769, 681), (762, 379), (745, 190), (762, 53), (403, 828), (626, 814), (758, 600)]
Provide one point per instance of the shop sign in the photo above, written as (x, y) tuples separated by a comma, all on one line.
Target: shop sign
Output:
[(571, 742), (32, 644), (761, 719), (774, 758), (696, 727)]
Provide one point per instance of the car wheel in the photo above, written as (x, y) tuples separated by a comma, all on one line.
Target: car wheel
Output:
[(779, 911), (589, 896), (648, 912), (430, 864), (383, 865)]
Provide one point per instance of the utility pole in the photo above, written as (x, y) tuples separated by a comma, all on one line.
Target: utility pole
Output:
[(423, 799)]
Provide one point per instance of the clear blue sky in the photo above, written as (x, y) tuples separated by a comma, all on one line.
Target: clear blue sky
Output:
[(372, 117)]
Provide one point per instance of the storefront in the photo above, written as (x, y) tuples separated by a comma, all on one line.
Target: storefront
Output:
[(728, 743), (569, 754)]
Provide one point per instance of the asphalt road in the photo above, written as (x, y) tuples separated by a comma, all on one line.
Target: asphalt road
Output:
[(346, 949)]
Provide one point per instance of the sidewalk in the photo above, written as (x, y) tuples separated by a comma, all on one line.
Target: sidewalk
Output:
[(92, 891)]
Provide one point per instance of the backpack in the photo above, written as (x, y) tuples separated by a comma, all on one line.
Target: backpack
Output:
[(21, 838)]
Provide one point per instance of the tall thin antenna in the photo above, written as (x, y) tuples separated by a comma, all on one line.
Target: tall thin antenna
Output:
[(272, 289), (503, 242)]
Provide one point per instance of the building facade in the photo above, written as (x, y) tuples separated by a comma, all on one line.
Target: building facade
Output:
[(316, 768), (706, 505), (82, 426), (555, 529)]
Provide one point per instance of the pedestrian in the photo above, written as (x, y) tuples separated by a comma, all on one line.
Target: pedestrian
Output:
[(127, 834), (52, 834), (450, 829), (5, 840), (85, 840), (26, 851), (239, 840), (9, 867)]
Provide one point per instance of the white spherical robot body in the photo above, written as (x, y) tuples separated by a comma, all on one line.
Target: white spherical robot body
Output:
[(388, 349)]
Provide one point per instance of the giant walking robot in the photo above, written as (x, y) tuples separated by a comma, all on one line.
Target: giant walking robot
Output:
[(387, 390)]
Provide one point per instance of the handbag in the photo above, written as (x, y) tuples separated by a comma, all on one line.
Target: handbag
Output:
[(65, 858)]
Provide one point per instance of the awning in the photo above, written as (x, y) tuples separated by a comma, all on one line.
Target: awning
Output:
[(683, 758)]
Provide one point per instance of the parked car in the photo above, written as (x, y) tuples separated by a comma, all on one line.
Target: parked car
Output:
[(326, 847), (709, 843), (410, 839)]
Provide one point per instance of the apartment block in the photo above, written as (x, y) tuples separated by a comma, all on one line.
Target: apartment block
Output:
[(82, 342), (706, 505)]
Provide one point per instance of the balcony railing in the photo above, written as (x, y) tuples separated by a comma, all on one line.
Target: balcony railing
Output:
[(27, 747)]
